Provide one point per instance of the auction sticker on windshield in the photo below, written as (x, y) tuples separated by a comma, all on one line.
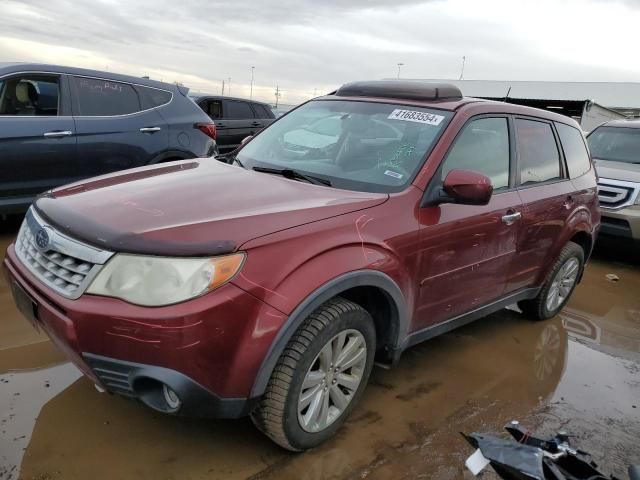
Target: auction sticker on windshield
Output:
[(415, 116)]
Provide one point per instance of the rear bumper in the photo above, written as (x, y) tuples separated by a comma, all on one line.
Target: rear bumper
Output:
[(207, 350), (623, 223)]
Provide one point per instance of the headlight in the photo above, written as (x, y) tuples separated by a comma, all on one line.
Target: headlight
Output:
[(156, 281)]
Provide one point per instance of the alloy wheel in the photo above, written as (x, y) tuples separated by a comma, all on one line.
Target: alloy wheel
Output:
[(332, 381), (562, 284)]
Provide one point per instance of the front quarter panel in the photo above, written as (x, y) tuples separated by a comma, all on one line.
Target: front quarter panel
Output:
[(285, 268), (297, 270)]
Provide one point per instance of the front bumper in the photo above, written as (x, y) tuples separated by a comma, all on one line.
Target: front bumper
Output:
[(623, 223), (145, 382), (208, 350)]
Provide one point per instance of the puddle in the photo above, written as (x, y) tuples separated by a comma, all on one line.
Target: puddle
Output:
[(579, 371), (23, 396)]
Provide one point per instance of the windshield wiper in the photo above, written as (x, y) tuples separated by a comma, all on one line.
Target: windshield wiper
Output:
[(294, 175), (229, 156)]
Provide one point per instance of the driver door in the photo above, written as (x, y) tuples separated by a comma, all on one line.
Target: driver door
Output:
[(466, 250)]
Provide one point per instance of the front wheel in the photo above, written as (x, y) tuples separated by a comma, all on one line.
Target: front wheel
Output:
[(319, 376), (559, 285)]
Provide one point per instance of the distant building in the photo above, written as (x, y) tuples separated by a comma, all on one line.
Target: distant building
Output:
[(589, 103)]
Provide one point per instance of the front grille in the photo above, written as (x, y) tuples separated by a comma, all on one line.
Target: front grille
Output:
[(63, 272), (617, 194), (63, 264)]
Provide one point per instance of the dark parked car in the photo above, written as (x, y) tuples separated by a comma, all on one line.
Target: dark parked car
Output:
[(59, 125), (235, 118), (269, 288)]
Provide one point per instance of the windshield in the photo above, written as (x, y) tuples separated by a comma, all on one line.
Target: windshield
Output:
[(369, 147), (619, 144)]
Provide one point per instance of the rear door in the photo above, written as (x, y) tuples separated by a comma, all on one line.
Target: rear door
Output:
[(264, 116), (37, 136), (466, 250), (116, 128), (547, 195), (237, 122)]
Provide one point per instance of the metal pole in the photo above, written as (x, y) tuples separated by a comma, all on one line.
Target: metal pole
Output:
[(222, 87), (399, 66), (251, 91), (464, 59), (229, 86)]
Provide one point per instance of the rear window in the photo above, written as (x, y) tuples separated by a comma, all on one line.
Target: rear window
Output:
[(261, 111), (575, 150), (539, 156), (618, 144), (98, 98), (152, 97), (234, 110)]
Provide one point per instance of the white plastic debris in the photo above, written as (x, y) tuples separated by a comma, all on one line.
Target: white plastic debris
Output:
[(476, 462)]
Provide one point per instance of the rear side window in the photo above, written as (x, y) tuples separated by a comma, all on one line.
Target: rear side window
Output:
[(483, 146), (235, 110), (575, 151), (152, 97), (30, 95), (261, 111), (99, 98), (539, 156)]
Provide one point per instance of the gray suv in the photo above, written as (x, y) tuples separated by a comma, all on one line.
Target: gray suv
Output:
[(615, 147), (60, 124)]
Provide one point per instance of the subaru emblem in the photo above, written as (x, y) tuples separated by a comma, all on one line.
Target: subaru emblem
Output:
[(42, 239)]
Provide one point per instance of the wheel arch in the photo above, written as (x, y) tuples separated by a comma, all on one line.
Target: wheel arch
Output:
[(375, 291), (171, 155), (578, 229)]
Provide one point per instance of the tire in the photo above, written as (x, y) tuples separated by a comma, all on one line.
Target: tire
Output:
[(542, 307), (279, 414)]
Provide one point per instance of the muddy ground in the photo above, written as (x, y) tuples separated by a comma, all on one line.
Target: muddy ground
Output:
[(579, 371)]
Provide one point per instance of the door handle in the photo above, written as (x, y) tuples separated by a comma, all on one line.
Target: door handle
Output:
[(256, 124), (510, 218), (150, 129), (58, 134)]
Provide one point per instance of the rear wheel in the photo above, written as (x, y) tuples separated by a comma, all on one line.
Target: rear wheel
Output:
[(319, 376), (559, 285)]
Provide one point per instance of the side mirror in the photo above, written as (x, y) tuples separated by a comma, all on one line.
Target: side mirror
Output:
[(246, 139), (467, 187)]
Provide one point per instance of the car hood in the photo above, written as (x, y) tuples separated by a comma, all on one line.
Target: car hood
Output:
[(629, 172), (195, 207)]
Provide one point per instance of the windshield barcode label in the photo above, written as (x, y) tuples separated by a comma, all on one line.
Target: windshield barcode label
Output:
[(415, 116)]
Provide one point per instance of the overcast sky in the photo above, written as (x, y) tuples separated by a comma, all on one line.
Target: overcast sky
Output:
[(307, 46)]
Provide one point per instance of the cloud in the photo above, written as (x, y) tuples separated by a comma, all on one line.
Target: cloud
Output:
[(307, 46)]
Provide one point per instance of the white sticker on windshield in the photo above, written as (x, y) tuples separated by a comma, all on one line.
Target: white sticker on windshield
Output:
[(415, 116), (393, 174)]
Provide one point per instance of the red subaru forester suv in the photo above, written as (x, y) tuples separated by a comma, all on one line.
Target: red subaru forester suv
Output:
[(355, 226)]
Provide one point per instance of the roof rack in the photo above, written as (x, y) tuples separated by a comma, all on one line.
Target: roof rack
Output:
[(404, 89)]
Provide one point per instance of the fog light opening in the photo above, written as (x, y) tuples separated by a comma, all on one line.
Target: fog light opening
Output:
[(171, 397)]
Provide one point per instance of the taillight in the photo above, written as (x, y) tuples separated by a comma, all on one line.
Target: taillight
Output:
[(209, 129)]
